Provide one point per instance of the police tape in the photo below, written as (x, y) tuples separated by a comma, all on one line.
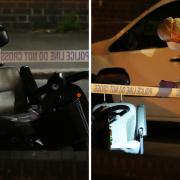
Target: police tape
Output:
[(135, 90), (44, 56)]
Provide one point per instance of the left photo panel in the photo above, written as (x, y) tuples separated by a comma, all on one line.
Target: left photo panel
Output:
[(44, 89)]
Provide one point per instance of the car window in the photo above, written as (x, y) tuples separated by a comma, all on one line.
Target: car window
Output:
[(143, 35)]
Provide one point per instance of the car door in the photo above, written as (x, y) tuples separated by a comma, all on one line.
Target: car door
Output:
[(147, 59)]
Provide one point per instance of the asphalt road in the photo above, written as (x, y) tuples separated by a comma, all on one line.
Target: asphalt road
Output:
[(162, 149), (47, 41)]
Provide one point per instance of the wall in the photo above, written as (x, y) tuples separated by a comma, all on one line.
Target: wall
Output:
[(108, 17), (35, 14)]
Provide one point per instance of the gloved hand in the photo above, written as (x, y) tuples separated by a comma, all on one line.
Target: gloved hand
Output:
[(168, 84)]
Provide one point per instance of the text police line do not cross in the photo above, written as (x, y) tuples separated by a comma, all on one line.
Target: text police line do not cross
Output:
[(135, 90), (45, 56)]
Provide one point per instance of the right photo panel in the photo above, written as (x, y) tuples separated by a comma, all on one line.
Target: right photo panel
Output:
[(135, 115)]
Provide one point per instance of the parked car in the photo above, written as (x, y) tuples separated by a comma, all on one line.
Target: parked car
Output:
[(138, 49)]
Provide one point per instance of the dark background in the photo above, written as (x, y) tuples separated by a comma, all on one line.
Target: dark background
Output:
[(108, 17)]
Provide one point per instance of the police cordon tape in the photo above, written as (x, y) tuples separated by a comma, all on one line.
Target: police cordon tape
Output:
[(135, 90), (44, 56)]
